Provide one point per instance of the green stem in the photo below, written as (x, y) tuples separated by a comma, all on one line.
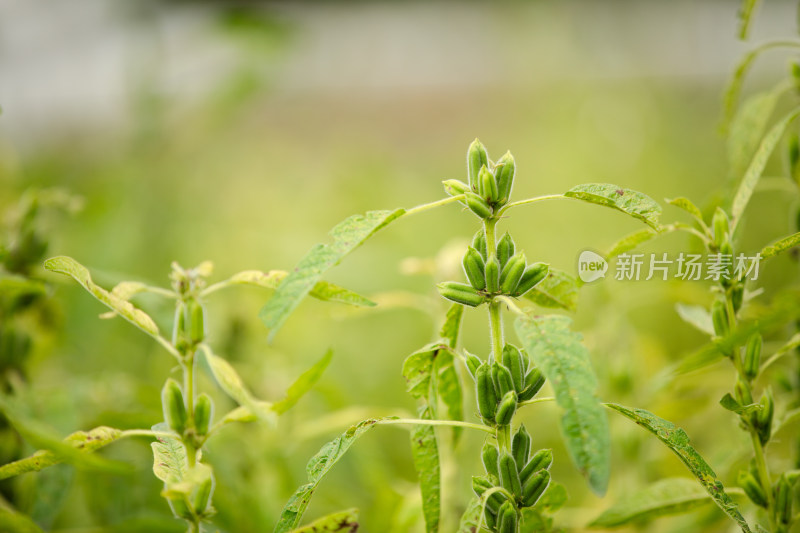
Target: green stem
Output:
[(421, 422), (432, 205), (495, 318), (188, 387), (504, 437), (147, 433), (536, 400), (529, 201)]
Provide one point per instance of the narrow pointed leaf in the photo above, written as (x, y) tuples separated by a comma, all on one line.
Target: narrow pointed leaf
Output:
[(340, 522), (318, 466), (729, 402), (688, 206), (452, 325), (564, 360), (678, 441), (169, 459), (15, 522), (633, 203), (557, 290), (303, 384), (746, 16), (756, 167), (425, 452), (322, 290), (697, 316), (347, 236), (669, 496), (781, 246), (448, 390), (748, 127), (471, 517), (70, 267), (629, 242)]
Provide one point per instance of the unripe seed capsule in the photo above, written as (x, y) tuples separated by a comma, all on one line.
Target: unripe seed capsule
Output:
[(720, 225), (473, 362), (196, 325), (507, 408), (494, 501), (179, 332), (492, 272), (491, 517), (477, 157), (180, 509), (737, 297), (512, 274), (460, 293), (742, 393), (752, 356), (541, 460), (752, 488), (534, 380), (487, 185), (532, 276), (173, 406), (783, 501), (455, 187), (521, 446), (202, 496), (509, 476), (535, 487), (480, 485), (478, 205), (203, 413), (473, 268), (479, 243), (764, 416), (505, 170), (507, 519), (515, 363), (489, 455), (505, 249), (719, 317), (487, 398), (503, 381)]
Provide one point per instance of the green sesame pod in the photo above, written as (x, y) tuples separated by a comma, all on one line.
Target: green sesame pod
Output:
[(532, 276), (173, 406), (507, 519), (752, 356), (460, 293), (507, 408), (203, 413), (721, 227), (479, 243), (201, 499), (495, 500), (491, 517), (534, 380), (719, 317), (478, 205), (535, 487), (503, 381), (509, 476), (515, 363), (742, 393), (737, 297), (492, 272), (783, 501), (487, 185), (505, 249), (521, 446), (180, 508), (487, 398), (473, 362), (489, 455), (455, 187), (541, 460), (505, 170), (179, 331), (512, 274), (764, 417), (752, 488), (480, 485), (473, 268), (196, 322), (477, 157)]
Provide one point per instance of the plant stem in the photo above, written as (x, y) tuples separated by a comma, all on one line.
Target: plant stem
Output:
[(188, 387), (422, 422), (432, 205), (495, 318), (529, 201)]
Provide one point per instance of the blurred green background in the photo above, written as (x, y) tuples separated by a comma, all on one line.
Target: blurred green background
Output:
[(241, 132)]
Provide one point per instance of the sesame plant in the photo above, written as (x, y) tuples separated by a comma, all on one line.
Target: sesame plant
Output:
[(514, 492), (189, 418)]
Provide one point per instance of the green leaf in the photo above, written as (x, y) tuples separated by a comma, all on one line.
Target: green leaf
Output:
[(303, 384), (553, 498), (633, 203), (347, 236), (688, 206), (70, 267), (729, 402), (322, 290), (230, 382), (169, 459), (677, 440), (448, 390), (748, 127), (746, 15), (557, 290), (80, 442), (14, 522), (564, 360), (340, 522), (318, 466), (471, 517), (669, 496), (425, 452), (452, 325), (781, 246), (534, 521), (697, 316), (753, 173), (418, 369), (629, 242)]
